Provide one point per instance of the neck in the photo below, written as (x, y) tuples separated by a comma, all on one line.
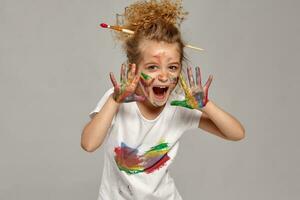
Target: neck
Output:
[(148, 110)]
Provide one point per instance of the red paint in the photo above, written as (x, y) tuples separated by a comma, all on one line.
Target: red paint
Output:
[(126, 157), (103, 25), (158, 165)]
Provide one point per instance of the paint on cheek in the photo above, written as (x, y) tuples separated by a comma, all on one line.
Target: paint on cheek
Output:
[(173, 79), (147, 80), (145, 76)]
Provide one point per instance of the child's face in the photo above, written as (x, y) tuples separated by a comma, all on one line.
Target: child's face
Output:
[(160, 62)]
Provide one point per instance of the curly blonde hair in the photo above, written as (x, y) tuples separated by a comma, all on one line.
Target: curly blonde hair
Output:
[(142, 14), (157, 20)]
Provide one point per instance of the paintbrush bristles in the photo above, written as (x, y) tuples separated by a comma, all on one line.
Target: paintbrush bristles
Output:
[(193, 47)]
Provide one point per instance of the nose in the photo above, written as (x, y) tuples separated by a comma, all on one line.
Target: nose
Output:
[(163, 77)]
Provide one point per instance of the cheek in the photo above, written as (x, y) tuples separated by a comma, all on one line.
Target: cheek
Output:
[(150, 75), (173, 79), (139, 69)]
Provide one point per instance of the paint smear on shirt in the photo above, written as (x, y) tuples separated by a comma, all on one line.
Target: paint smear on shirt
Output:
[(131, 162)]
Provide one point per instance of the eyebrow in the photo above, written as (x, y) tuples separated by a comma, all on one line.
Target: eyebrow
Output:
[(177, 63), (155, 63)]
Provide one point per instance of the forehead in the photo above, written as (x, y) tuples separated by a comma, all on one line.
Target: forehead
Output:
[(159, 50)]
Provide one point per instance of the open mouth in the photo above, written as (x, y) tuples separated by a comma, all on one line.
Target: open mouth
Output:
[(160, 91)]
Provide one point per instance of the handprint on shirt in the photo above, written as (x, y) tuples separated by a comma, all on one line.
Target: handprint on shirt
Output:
[(196, 96), (125, 91)]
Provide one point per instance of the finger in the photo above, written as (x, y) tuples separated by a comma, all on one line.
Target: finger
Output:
[(122, 77), (113, 80), (128, 99), (139, 97), (181, 103), (198, 77), (190, 77), (132, 71), (135, 80), (208, 82), (127, 70), (183, 84), (206, 87)]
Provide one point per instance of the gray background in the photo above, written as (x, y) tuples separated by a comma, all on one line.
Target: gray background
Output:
[(55, 62)]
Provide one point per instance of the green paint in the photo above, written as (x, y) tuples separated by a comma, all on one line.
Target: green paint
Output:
[(159, 147), (130, 171), (173, 79), (145, 76), (181, 103)]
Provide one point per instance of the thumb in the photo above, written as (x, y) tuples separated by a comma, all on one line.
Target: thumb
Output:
[(181, 104), (139, 98)]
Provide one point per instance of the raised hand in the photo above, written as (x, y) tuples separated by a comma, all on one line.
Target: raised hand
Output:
[(196, 96), (125, 91)]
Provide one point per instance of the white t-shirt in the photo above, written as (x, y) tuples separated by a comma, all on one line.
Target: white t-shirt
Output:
[(138, 152)]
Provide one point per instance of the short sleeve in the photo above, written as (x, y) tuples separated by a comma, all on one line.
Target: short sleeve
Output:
[(100, 103), (185, 118), (195, 115), (189, 117)]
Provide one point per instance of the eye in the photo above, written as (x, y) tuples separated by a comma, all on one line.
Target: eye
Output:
[(152, 67), (173, 67)]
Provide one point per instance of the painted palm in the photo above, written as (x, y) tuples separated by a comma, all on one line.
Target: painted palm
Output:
[(196, 96), (125, 91)]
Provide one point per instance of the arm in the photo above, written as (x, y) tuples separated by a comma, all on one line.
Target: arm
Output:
[(213, 119), (95, 131), (216, 121)]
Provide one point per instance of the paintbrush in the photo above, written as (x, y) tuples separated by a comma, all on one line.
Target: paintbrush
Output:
[(124, 30)]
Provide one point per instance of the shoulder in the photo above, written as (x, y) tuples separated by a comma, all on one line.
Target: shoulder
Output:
[(102, 99)]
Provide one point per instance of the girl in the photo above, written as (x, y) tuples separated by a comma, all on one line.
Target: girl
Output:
[(141, 119)]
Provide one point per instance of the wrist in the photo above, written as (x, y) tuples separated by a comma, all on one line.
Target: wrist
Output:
[(204, 108), (112, 99)]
